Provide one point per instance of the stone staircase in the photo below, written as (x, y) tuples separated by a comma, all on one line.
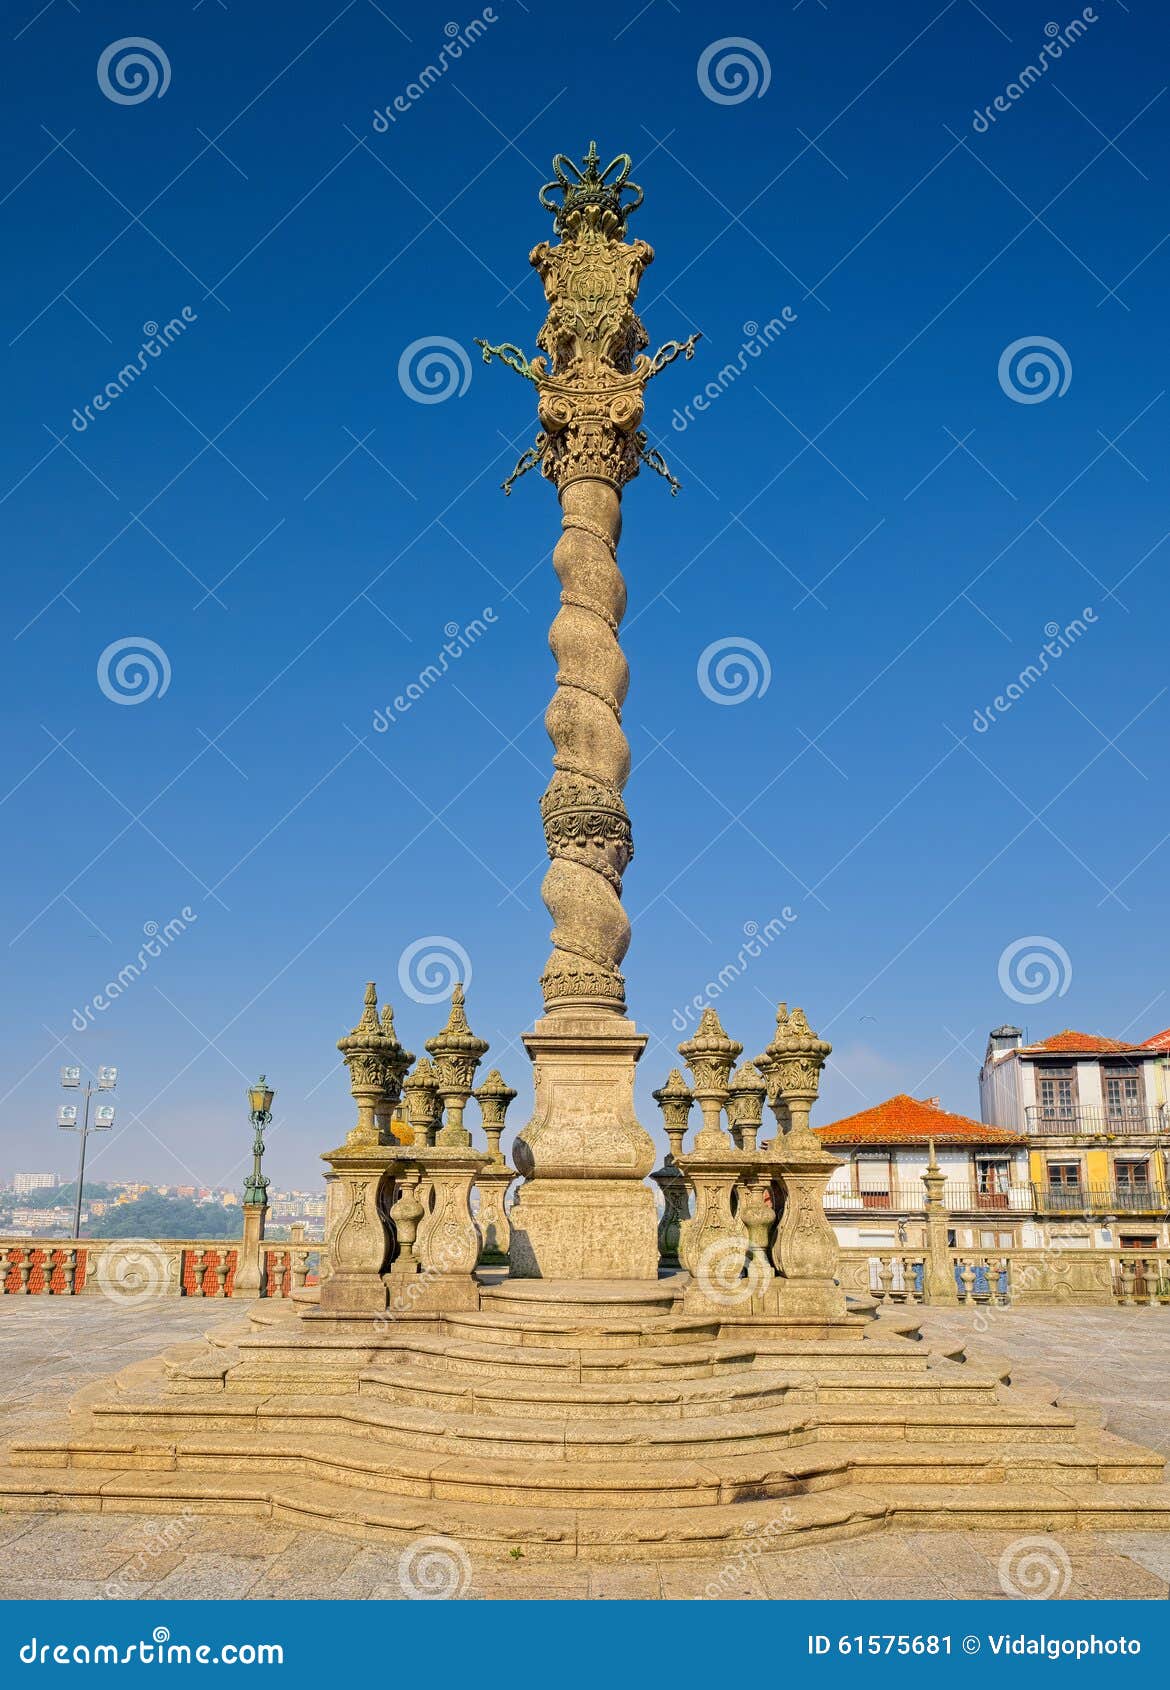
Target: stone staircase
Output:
[(590, 1420)]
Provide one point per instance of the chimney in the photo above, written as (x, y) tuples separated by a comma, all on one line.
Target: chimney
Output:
[(1002, 1039)]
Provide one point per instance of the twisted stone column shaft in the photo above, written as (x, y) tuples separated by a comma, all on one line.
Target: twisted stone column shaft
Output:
[(586, 826)]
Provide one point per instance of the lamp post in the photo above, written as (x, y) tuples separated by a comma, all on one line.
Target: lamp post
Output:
[(103, 1120), (248, 1279)]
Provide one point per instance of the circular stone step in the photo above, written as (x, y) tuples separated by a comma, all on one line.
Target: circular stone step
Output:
[(585, 1299)]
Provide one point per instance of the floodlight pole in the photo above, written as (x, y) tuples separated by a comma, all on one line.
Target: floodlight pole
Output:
[(84, 1130)]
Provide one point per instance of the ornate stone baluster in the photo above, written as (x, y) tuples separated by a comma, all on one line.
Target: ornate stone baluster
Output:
[(359, 1242), (424, 1109), (675, 1100), (492, 1182), (885, 1278), (448, 1242), (967, 1279), (805, 1251), (745, 1108), (395, 1062)]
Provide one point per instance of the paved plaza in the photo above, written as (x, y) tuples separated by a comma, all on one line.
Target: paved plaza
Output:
[(1117, 1359)]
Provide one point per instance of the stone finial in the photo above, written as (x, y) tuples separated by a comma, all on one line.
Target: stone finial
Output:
[(395, 1062), (710, 1056), (795, 1059), (674, 1099), (493, 1097), (424, 1110), (745, 1105), (362, 1051), (457, 1053)]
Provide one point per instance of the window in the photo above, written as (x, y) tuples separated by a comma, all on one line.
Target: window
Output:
[(873, 1181), (1122, 1087), (1064, 1183), (1133, 1175), (997, 1240), (992, 1181), (1057, 1089)]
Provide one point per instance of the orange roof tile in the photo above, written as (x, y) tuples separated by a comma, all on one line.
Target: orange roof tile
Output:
[(1160, 1041), (911, 1120), (1089, 1043)]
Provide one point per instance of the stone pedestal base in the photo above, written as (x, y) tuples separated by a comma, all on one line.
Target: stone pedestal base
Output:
[(358, 1238), (570, 1229), (583, 1211), (249, 1280)]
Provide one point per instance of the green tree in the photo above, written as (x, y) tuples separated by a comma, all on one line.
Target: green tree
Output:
[(152, 1216)]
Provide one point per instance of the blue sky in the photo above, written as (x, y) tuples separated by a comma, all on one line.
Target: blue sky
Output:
[(867, 503)]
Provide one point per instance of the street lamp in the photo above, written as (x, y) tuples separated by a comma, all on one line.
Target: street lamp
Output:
[(260, 1101), (103, 1120)]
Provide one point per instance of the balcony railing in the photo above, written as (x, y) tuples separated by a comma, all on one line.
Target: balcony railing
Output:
[(911, 1198), (1051, 1118), (1099, 1199)]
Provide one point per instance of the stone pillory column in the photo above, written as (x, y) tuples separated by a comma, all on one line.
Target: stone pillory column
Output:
[(584, 1210)]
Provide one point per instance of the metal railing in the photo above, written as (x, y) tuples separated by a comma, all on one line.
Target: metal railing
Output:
[(1041, 1118), (911, 1199), (1098, 1199)]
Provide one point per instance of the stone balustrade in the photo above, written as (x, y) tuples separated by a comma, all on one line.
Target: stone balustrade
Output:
[(1020, 1277), (136, 1270)]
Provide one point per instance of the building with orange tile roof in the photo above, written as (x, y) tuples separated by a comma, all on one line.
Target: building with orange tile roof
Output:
[(877, 1197), (1095, 1112)]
